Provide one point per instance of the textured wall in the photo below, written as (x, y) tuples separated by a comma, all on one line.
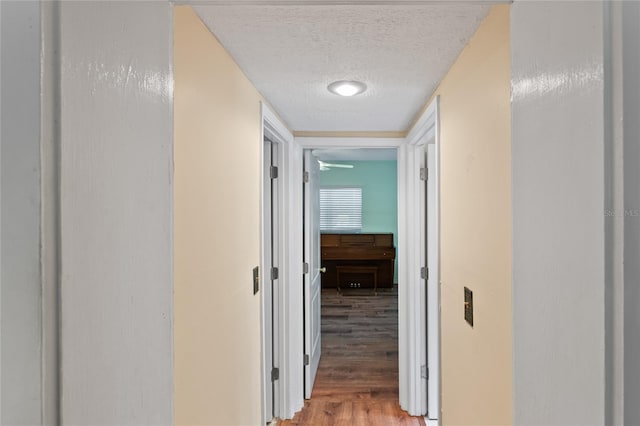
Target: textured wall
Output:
[(558, 206), (217, 232), (116, 211), (476, 228)]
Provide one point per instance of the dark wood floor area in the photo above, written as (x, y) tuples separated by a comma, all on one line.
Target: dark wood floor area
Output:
[(357, 382)]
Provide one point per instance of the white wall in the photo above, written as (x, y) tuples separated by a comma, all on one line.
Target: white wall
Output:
[(558, 205), (21, 325), (50, 208), (116, 212), (631, 49)]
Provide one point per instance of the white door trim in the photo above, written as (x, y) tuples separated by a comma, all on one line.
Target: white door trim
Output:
[(412, 325), (266, 259), (433, 281), (290, 268)]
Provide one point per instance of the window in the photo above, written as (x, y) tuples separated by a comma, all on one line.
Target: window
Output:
[(341, 209)]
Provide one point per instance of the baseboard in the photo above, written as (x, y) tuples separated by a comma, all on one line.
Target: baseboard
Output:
[(431, 422)]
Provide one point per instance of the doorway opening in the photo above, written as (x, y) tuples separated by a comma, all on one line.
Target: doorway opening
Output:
[(278, 265), (418, 365), (351, 215)]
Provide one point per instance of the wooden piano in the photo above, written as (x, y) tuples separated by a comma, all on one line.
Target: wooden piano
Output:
[(357, 260)]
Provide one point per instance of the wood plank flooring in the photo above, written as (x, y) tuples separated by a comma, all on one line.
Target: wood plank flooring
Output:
[(357, 381)]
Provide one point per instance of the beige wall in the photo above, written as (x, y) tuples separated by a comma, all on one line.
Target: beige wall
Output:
[(217, 218), (476, 228)]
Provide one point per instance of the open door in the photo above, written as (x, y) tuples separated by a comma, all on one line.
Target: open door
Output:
[(421, 291), (419, 282), (270, 282), (428, 293), (433, 288), (312, 330)]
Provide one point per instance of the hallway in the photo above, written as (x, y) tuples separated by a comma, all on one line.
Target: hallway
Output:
[(357, 381), (133, 278)]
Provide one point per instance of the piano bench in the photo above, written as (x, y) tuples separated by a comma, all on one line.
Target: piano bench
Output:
[(346, 269)]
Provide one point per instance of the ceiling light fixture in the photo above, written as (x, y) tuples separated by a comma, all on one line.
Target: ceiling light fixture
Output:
[(347, 88)]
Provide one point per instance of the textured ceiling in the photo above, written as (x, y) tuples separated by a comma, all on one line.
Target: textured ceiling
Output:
[(292, 52)]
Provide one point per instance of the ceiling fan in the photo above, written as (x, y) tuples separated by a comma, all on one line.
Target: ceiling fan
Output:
[(324, 166)]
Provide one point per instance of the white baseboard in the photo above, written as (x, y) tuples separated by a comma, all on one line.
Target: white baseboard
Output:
[(431, 422)]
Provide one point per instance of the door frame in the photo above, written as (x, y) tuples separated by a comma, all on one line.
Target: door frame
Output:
[(267, 284), (291, 315), (413, 333), (290, 267), (359, 142)]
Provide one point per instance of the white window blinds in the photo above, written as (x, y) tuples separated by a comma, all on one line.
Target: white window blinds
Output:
[(341, 209)]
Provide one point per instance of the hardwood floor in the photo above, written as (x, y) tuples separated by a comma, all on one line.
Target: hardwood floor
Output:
[(357, 381)]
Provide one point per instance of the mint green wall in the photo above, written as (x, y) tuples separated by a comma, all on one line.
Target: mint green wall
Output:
[(379, 182)]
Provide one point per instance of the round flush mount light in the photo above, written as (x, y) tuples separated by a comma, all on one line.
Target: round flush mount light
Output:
[(347, 88)]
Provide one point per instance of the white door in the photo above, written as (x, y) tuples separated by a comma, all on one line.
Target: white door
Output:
[(428, 292), (270, 281), (421, 291), (433, 288), (312, 276)]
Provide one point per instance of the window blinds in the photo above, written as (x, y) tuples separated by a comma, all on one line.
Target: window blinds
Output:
[(341, 209)]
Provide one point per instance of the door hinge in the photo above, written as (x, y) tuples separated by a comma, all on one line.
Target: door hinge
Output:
[(305, 268), (273, 172), (306, 359), (306, 177), (275, 374), (424, 273), (424, 372), (424, 173), (274, 273)]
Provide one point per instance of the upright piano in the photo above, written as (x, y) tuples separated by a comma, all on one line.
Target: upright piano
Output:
[(357, 260)]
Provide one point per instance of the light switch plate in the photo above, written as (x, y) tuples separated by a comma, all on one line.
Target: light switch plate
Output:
[(256, 279), (468, 306)]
